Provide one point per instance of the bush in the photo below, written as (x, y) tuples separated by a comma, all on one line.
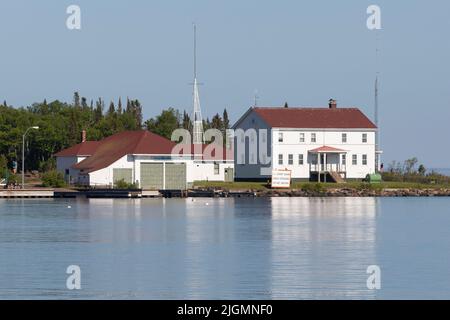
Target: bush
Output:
[(122, 184), (53, 179)]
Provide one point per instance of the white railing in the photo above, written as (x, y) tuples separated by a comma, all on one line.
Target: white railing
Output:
[(328, 167)]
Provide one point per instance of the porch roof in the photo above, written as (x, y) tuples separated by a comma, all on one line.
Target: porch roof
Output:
[(327, 149)]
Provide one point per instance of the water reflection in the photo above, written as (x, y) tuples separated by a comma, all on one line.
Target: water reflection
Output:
[(322, 246), (293, 248)]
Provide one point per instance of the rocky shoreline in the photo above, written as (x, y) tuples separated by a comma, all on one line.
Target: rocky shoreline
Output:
[(349, 192), (331, 192)]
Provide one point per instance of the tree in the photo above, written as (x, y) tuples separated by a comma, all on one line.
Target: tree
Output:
[(76, 100), (422, 170), (226, 120), (410, 164), (165, 123), (119, 106)]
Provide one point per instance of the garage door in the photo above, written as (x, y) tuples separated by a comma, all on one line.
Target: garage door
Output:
[(123, 174), (152, 176), (175, 176)]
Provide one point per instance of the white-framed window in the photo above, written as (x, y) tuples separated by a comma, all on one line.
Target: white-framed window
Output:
[(216, 169), (313, 137), (300, 160), (355, 159), (302, 137), (344, 159), (291, 159), (280, 137), (344, 138), (280, 159), (364, 137), (364, 159)]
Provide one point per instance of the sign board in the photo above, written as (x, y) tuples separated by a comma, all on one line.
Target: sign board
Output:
[(281, 178)]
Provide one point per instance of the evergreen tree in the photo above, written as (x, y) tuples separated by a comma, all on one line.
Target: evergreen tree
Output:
[(76, 100)]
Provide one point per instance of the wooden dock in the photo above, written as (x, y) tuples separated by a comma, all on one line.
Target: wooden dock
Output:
[(27, 193)]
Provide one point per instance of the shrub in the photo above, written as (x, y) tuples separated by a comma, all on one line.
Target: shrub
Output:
[(122, 184), (53, 179)]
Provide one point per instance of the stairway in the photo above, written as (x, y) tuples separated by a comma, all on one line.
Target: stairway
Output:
[(336, 177)]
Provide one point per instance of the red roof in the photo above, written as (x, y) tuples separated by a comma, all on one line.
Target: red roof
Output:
[(327, 149), (206, 151), (120, 144), (315, 118), (82, 149)]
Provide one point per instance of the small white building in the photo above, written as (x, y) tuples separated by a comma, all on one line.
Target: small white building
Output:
[(316, 144), (143, 158)]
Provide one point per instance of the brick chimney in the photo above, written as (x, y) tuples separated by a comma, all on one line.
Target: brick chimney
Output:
[(83, 136), (332, 104)]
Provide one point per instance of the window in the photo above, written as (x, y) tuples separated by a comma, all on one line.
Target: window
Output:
[(313, 137), (355, 159), (344, 138), (364, 137), (291, 159), (280, 159), (300, 159), (364, 159), (302, 137), (280, 137), (67, 171), (216, 168), (344, 159)]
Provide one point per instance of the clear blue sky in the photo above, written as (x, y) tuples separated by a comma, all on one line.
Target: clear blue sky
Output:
[(302, 52)]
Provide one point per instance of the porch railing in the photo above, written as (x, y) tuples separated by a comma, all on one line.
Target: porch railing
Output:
[(314, 167)]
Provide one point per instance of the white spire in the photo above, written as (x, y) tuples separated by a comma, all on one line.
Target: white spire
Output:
[(197, 118)]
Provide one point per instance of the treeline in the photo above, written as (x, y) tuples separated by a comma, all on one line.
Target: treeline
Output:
[(171, 119), (60, 126), (410, 171)]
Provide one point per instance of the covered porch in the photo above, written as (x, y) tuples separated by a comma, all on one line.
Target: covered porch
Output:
[(328, 161)]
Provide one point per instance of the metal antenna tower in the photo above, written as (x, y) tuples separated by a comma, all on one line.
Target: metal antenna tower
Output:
[(197, 118)]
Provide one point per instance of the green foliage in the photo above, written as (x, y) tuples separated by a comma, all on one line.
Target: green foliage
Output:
[(3, 165), (407, 173), (60, 125), (165, 123), (53, 179), (123, 185)]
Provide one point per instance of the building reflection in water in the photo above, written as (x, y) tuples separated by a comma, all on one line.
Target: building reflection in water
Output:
[(321, 247)]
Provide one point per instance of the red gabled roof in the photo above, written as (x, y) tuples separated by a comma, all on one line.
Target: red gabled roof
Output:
[(82, 149), (327, 149), (206, 151), (315, 118), (118, 145)]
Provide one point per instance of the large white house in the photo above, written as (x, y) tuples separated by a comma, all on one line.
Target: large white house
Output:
[(317, 144), (144, 158)]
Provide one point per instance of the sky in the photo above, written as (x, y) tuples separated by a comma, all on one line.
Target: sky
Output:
[(300, 52)]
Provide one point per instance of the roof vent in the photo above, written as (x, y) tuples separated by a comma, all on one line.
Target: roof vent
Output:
[(332, 104)]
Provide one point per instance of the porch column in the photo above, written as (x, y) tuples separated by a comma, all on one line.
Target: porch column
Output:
[(318, 166), (325, 165)]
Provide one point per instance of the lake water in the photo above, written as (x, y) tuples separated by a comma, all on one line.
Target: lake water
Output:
[(278, 248)]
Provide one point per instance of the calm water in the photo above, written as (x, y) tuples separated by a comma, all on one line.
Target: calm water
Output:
[(280, 248)]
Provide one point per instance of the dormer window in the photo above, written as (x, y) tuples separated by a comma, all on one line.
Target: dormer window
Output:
[(280, 137)]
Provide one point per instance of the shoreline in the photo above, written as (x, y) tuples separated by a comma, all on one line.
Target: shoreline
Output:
[(226, 193)]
